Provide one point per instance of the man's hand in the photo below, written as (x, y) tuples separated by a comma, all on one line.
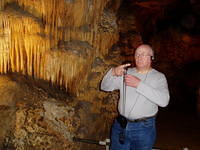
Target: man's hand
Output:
[(132, 81), (119, 71)]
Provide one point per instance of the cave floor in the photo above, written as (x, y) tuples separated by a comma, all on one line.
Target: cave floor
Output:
[(177, 129)]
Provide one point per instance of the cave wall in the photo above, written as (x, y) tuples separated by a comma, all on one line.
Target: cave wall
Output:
[(52, 58)]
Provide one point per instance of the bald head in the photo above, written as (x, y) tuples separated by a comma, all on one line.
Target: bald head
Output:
[(143, 56), (145, 47)]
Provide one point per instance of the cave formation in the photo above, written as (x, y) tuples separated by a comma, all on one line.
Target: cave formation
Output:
[(53, 56)]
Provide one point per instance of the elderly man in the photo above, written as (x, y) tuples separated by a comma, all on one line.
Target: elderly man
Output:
[(142, 90)]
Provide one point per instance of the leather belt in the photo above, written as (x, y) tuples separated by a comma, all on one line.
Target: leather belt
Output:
[(140, 119), (123, 121)]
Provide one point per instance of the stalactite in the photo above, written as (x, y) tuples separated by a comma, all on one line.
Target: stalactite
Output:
[(5, 40), (69, 68), (3, 3), (37, 27), (63, 14), (94, 38)]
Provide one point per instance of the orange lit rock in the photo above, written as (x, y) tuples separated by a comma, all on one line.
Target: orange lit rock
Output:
[(64, 46), (32, 35)]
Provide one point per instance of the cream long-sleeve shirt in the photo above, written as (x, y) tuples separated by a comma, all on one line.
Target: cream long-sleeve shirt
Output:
[(142, 101)]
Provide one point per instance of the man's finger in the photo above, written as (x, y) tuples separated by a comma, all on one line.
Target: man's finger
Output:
[(125, 65)]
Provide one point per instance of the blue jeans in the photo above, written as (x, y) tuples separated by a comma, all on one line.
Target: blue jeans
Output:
[(137, 135)]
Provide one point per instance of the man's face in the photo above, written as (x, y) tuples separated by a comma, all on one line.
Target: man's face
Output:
[(143, 57)]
